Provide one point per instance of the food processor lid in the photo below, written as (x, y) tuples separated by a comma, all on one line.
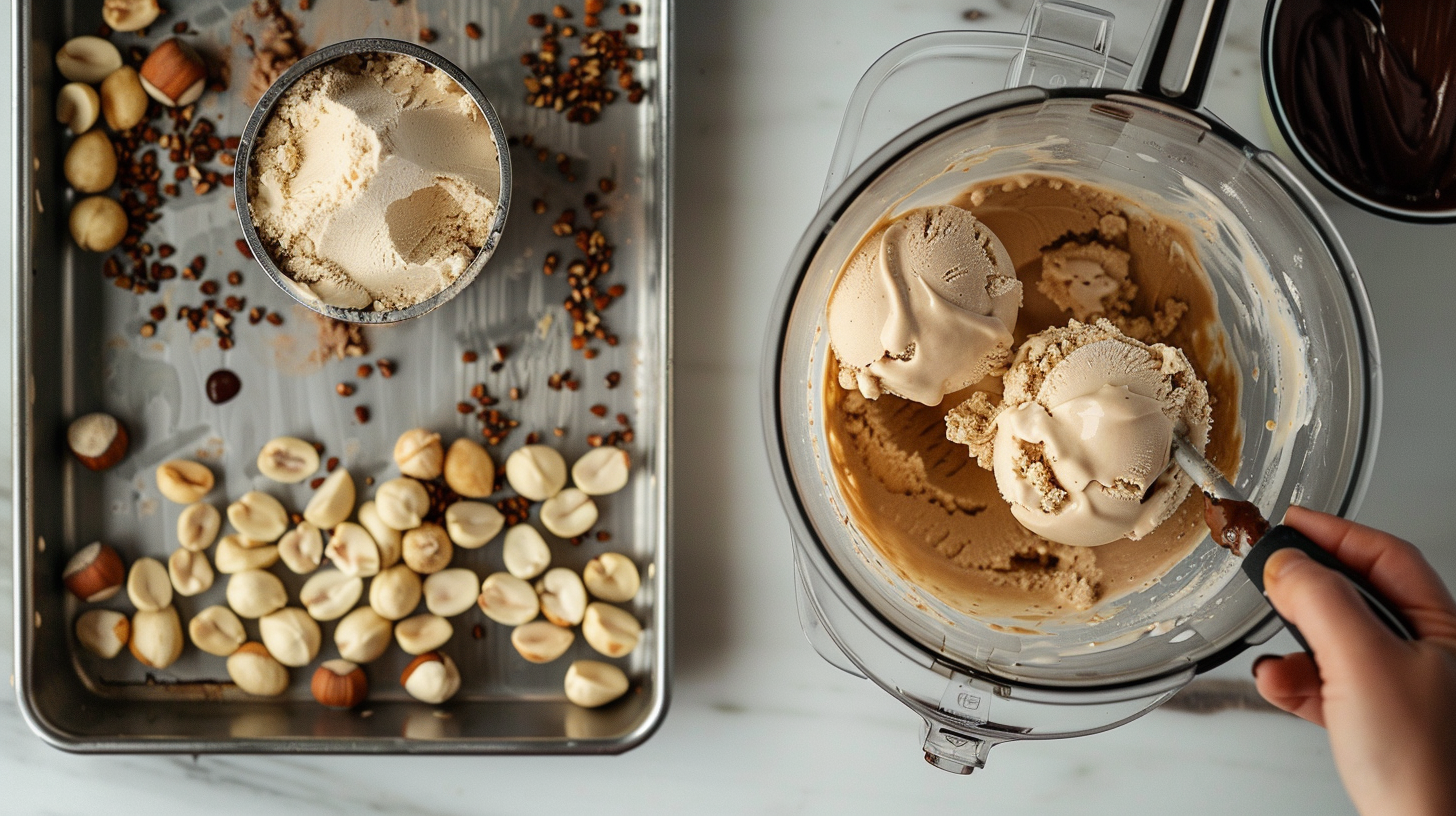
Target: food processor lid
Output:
[(859, 159)]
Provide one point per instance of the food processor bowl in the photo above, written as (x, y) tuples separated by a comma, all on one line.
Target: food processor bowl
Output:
[(1299, 332)]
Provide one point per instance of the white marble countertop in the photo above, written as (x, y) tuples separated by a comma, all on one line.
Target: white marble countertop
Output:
[(759, 723)]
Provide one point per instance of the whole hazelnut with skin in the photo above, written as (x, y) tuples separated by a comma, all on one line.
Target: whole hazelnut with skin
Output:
[(339, 684), (431, 678), (95, 573), (174, 74), (98, 441)]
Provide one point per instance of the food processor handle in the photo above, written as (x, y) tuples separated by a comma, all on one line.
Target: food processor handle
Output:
[(1177, 59), (1283, 538)]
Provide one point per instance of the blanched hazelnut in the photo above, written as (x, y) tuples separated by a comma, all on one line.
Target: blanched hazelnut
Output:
[(78, 106), (95, 573), (174, 73), (129, 15), (148, 586), (217, 631), (123, 102), (90, 164), (472, 524), (427, 549), (98, 224), (541, 641), (332, 503), (602, 471), (87, 59), (339, 684), (103, 632), (97, 441), (385, 537), (525, 552), (156, 637), (611, 630), (290, 635), (197, 526), (563, 598), (451, 592), (469, 470), (255, 593), (612, 577), (402, 503), (504, 598), (302, 548), (287, 459), (394, 593), (422, 633), (592, 683), (353, 550), (431, 678), (362, 636), (569, 513), (190, 573), (257, 672), (184, 481), (329, 593), (237, 554), (258, 516), (536, 472), (419, 454)]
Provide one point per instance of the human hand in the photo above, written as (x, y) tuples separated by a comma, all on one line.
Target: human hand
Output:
[(1389, 704)]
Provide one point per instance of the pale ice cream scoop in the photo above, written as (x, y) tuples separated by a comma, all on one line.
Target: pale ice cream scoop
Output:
[(375, 182), (925, 307), (1082, 439)]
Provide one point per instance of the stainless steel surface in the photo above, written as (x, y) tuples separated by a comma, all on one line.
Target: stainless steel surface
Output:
[(264, 109), (77, 349), (1208, 477)]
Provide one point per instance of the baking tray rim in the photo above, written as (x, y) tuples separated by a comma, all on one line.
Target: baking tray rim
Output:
[(23, 453)]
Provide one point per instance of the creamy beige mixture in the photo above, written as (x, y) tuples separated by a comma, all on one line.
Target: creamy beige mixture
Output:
[(375, 182), (1080, 252)]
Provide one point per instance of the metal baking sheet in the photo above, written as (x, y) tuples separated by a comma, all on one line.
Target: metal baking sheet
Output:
[(79, 349)]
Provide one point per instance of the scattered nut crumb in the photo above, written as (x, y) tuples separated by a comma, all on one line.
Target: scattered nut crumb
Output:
[(344, 390), (363, 371), (473, 31), (361, 414), (469, 357)]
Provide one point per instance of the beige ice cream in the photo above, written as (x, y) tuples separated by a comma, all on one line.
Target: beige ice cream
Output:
[(926, 306), (940, 521), (375, 182), (1080, 441)]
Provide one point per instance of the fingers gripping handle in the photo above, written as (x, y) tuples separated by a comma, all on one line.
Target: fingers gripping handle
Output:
[(1282, 537)]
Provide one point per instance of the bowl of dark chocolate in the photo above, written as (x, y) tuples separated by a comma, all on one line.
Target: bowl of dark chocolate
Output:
[(1360, 92)]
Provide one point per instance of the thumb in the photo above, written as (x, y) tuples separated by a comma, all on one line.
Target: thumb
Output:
[(1340, 629)]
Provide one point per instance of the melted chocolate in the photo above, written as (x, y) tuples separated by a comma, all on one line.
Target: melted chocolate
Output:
[(1370, 96), (223, 385), (1234, 524)]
